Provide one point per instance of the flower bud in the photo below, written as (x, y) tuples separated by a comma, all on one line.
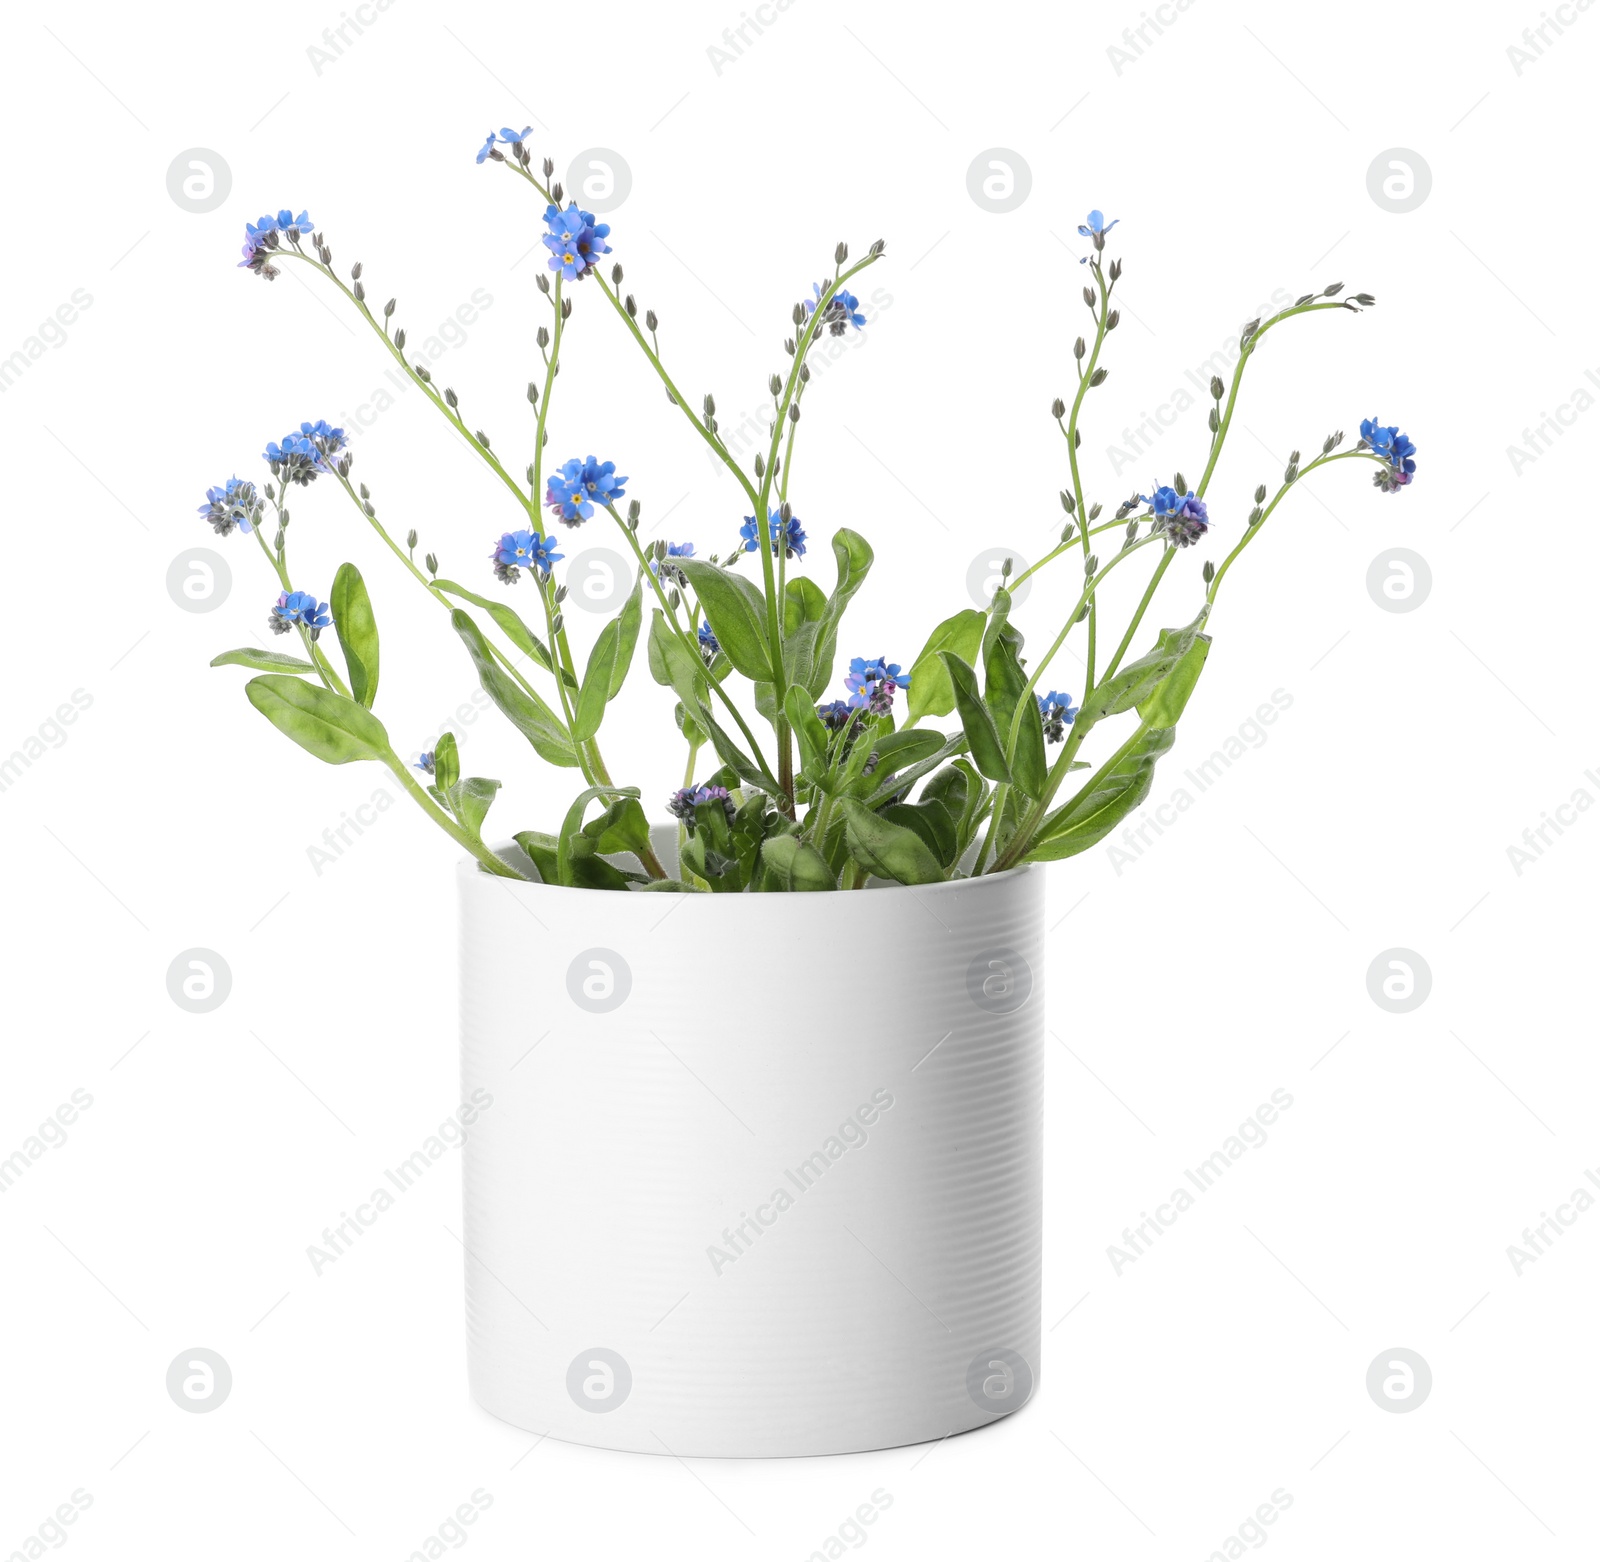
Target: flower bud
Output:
[(798, 315), (360, 292), (558, 623), (775, 384), (1209, 573), (432, 564), (1094, 512), (1083, 612), (355, 272), (1098, 377), (542, 337), (556, 192), (1217, 387), (400, 339), (388, 309), (650, 320), (841, 253), (1005, 570), (1213, 420), (794, 411), (1332, 289), (616, 274), (875, 248), (1261, 492), (1179, 484), (411, 539), (632, 308), (482, 438), (1068, 503), (362, 490), (1058, 409), (1303, 299), (1088, 296), (1113, 320), (449, 397), (1078, 348), (422, 373)]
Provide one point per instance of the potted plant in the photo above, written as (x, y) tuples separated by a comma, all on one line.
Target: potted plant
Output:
[(818, 1230)]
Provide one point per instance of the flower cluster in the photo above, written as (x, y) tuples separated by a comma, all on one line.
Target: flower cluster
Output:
[(685, 800), (872, 684), (509, 137), (835, 715), (522, 550), (710, 650), (843, 309), (664, 569), (235, 504), (301, 456), (1396, 448), (575, 241), (299, 607), (574, 491), (788, 537), (1181, 516), (261, 238), (1056, 711)]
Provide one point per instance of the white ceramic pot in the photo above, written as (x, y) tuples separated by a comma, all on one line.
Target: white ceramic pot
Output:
[(759, 1174)]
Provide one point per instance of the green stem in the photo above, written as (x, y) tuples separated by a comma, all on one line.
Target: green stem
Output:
[(445, 822), (1071, 431), (1144, 602)]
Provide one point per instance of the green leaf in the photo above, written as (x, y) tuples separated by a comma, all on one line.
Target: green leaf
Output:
[(621, 828), (853, 556), (803, 603), (673, 664), (628, 622), (357, 630), (673, 887), (521, 707), (794, 865), (1004, 679), (511, 626), (932, 822), (470, 801), (889, 850), (1166, 705), (897, 750), (1137, 683), (931, 692), (262, 661), (736, 612), (572, 840), (903, 780), (983, 738), (590, 708), (810, 734), (1107, 797), (542, 849), (446, 762), (332, 726)]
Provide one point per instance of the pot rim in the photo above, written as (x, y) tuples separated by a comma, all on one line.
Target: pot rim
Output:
[(509, 852)]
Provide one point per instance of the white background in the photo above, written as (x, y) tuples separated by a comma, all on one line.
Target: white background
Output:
[(1228, 960)]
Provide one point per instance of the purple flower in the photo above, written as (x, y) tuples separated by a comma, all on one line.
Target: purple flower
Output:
[(1395, 448), (261, 238), (235, 504), (1181, 516), (685, 800)]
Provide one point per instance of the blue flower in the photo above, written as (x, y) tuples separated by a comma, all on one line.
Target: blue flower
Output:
[(523, 550), (575, 241), (580, 485), (789, 537), (1395, 448), (834, 715), (1181, 516), (872, 684), (664, 569), (235, 504), (686, 799), (487, 149), (843, 309), (261, 238), (425, 763), (301, 607), (1056, 711), (515, 137), (303, 455), (709, 646), (1096, 230)]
